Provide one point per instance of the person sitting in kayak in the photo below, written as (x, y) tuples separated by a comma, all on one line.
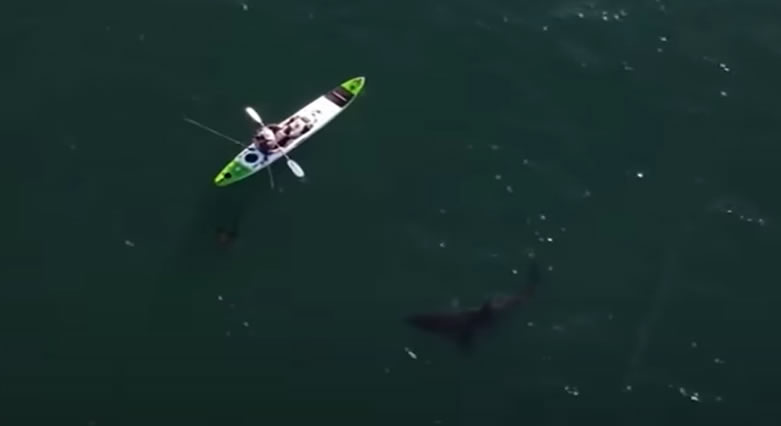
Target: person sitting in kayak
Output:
[(294, 128), (265, 138)]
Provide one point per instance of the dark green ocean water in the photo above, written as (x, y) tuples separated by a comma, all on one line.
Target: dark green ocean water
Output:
[(631, 145)]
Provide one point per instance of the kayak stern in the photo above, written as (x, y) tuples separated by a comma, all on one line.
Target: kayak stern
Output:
[(231, 173)]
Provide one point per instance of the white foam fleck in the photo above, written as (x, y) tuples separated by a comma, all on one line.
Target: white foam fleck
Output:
[(545, 28), (245, 324), (694, 345), (530, 324), (639, 175), (659, 49), (411, 354), (442, 244), (509, 189), (572, 390), (550, 268), (663, 39), (723, 93), (628, 388), (627, 67), (245, 6), (724, 67), (498, 177), (130, 243), (515, 272), (739, 208), (718, 361), (581, 15), (549, 239), (542, 216), (219, 297)]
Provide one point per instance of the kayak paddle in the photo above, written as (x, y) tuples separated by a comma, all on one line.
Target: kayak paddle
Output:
[(292, 165)]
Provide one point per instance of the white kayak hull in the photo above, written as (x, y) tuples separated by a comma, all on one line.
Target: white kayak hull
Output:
[(318, 112)]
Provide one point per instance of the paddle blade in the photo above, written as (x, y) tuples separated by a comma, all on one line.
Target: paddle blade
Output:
[(254, 115), (295, 168)]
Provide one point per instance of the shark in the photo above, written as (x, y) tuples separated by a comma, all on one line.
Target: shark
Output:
[(462, 324)]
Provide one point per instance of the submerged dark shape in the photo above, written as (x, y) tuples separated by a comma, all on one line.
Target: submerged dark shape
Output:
[(461, 324), (225, 236)]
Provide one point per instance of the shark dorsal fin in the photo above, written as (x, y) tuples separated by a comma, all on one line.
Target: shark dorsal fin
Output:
[(485, 309)]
